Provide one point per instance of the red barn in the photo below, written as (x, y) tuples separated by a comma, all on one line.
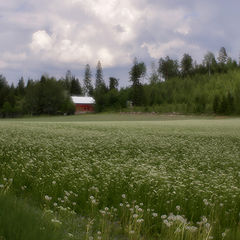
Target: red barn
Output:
[(83, 104)]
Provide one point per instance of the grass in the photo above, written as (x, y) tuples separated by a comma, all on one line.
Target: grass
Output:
[(135, 177), (113, 117), (21, 221)]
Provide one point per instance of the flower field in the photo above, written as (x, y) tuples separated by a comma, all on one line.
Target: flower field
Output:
[(172, 179)]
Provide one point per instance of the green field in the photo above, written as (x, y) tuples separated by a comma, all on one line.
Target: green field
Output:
[(120, 176)]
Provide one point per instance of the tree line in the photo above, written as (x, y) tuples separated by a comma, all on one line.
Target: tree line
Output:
[(212, 86)]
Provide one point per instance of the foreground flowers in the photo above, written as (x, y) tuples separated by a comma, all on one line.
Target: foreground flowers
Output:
[(142, 179)]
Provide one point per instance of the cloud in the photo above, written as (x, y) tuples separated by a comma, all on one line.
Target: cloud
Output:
[(106, 34), (14, 57), (3, 64), (41, 41), (157, 50), (51, 35)]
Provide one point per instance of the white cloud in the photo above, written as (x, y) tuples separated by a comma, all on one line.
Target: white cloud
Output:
[(14, 57), (12, 60), (184, 29), (75, 32), (105, 34), (157, 50), (67, 52), (41, 41), (80, 32), (3, 64), (175, 47)]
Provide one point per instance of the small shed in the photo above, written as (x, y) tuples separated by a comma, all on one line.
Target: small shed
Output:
[(83, 104)]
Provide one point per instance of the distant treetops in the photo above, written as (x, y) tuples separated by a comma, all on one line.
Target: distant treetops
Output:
[(212, 86)]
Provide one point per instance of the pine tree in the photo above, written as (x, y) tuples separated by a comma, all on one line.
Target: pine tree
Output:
[(222, 56), (21, 87), (137, 72), (99, 75), (75, 87), (100, 89), (87, 81), (68, 79)]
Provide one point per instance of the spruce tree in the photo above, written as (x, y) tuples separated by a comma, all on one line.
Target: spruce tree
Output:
[(75, 87), (99, 75), (222, 56), (87, 81), (137, 72)]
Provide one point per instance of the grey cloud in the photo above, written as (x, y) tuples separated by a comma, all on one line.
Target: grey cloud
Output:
[(119, 28), (148, 29)]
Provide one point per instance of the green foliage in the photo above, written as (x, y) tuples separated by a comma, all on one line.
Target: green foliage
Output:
[(137, 71), (188, 87), (99, 76), (100, 90), (20, 87), (46, 96), (87, 81), (186, 64), (7, 109), (4, 89), (113, 83), (20, 221), (222, 56), (209, 62), (154, 77), (75, 89), (168, 68), (216, 104)]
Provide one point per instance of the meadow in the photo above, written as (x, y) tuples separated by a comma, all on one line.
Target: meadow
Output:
[(120, 177)]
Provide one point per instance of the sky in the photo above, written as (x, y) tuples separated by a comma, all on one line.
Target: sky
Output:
[(52, 36)]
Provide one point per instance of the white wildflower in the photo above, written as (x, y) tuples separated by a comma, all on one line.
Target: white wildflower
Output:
[(48, 198), (178, 208), (154, 214), (123, 195)]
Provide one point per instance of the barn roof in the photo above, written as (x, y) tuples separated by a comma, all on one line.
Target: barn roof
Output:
[(83, 100)]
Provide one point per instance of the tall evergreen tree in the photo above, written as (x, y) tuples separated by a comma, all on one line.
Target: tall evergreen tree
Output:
[(75, 87), (222, 56), (68, 79), (4, 89), (100, 89), (99, 75), (87, 81), (138, 71)]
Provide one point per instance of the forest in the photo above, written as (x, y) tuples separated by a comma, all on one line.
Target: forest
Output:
[(185, 86)]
